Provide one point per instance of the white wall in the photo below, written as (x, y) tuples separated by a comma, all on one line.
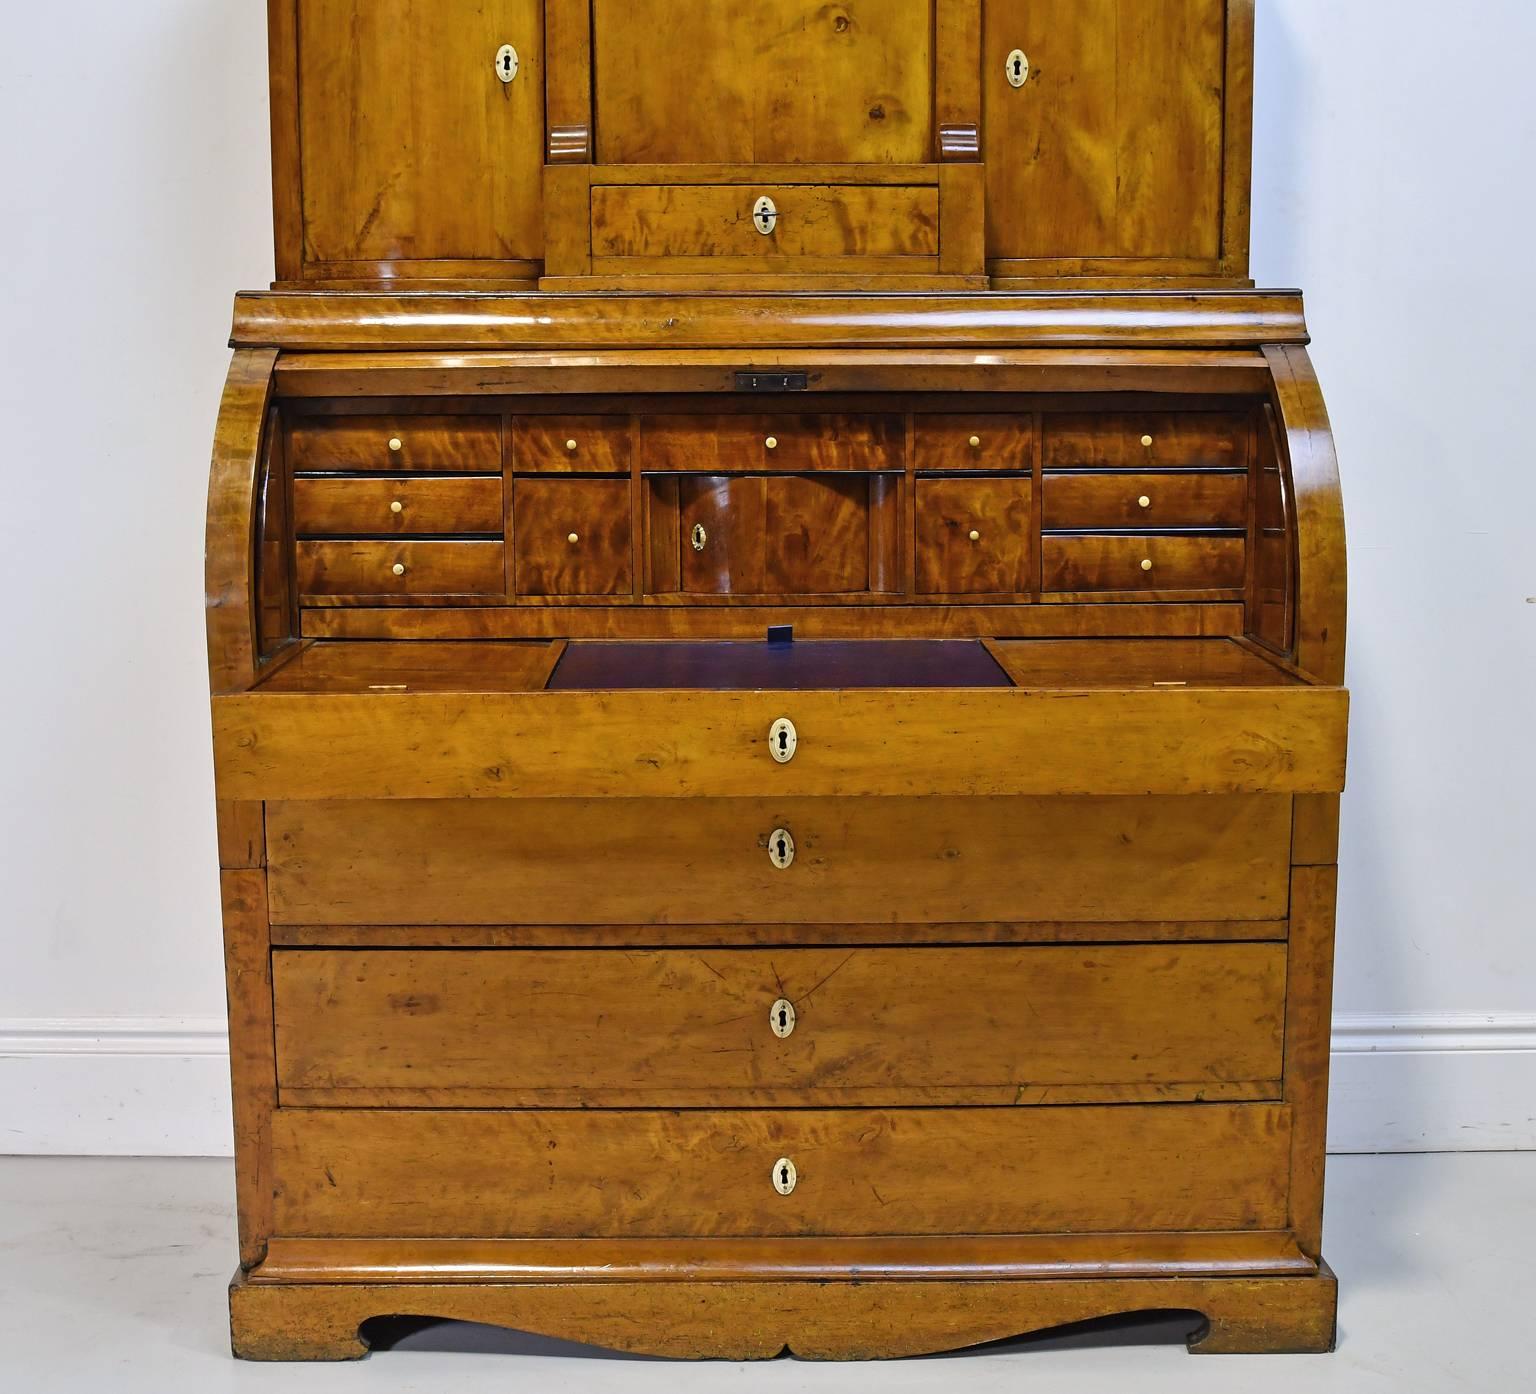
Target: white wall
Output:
[(1392, 183)]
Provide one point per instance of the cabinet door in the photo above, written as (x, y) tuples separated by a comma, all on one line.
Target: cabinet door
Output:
[(763, 81), (1113, 147), (412, 147)]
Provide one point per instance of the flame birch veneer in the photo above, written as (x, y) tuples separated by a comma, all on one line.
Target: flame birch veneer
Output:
[(953, 961)]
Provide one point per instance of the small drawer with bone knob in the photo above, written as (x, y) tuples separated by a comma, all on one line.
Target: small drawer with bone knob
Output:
[(571, 444), (571, 536), (979, 441), (342, 505), (424, 444), (383, 568), (974, 535), (1146, 440), (1153, 500), (725, 443), (1143, 563)]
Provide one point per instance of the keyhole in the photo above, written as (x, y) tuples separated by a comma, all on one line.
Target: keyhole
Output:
[(783, 1018), (506, 64), (783, 741), (1018, 67), (783, 1176), (783, 851)]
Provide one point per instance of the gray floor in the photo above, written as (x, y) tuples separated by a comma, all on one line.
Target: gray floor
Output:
[(112, 1277)]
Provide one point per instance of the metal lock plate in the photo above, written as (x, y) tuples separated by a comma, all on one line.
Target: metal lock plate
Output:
[(781, 848), (765, 215), (783, 740), (699, 537), (1018, 68), (781, 1017), (785, 1177), (507, 63)]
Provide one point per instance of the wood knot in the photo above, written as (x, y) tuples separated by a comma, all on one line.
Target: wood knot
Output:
[(877, 113), (840, 23)]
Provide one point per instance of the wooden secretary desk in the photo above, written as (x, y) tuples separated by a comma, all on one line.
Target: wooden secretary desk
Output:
[(776, 626)]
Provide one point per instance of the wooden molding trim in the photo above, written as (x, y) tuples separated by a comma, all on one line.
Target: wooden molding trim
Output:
[(467, 320)]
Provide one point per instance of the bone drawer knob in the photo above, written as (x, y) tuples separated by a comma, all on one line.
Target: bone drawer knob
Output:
[(398, 568), (1147, 441), (396, 444), (573, 538), (1143, 502), (570, 445), (1146, 564), (397, 507), (975, 442), (975, 536), (772, 442)]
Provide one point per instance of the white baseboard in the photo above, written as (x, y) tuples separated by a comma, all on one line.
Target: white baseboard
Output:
[(160, 1087)]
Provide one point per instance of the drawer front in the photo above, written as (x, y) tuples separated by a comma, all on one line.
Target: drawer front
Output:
[(774, 535), (1132, 500), (571, 537), (1147, 440), (526, 1028), (366, 1173), (727, 444), (572, 444), (973, 536), (1143, 563), (981, 441), (457, 444), (401, 568), (815, 222), (329, 507), (707, 861)]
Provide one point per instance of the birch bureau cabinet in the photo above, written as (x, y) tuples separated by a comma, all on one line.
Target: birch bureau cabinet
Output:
[(776, 616)]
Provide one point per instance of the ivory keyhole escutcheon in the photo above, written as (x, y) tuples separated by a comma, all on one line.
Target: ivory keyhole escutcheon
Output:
[(781, 848), (781, 1017), (785, 1177), (782, 740), (1018, 68), (765, 215), (507, 63)]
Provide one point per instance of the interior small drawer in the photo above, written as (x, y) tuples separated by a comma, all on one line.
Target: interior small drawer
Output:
[(718, 1027), (571, 536), (723, 222), (454, 444), (1146, 440), (572, 444), (981, 441), (401, 568), (1148, 562), (973, 536), (1131, 500), (332, 506), (723, 443), (434, 1174)]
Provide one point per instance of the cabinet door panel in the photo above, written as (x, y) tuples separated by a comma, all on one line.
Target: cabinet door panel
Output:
[(1113, 147), (412, 147), (763, 81)]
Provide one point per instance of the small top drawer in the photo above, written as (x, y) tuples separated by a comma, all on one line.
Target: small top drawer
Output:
[(1132, 500), (732, 223), (1147, 440), (342, 506), (974, 442), (451, 444), (571, 444), (727, 444)]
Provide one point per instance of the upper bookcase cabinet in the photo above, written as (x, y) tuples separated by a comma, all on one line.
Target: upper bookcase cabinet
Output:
[(741, 144)]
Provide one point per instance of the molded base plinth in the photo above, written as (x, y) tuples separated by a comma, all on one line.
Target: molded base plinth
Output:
[(811, 1320)]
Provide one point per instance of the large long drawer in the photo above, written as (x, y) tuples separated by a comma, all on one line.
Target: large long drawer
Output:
[(404, 1174), (752, 861), (783, 1027)]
